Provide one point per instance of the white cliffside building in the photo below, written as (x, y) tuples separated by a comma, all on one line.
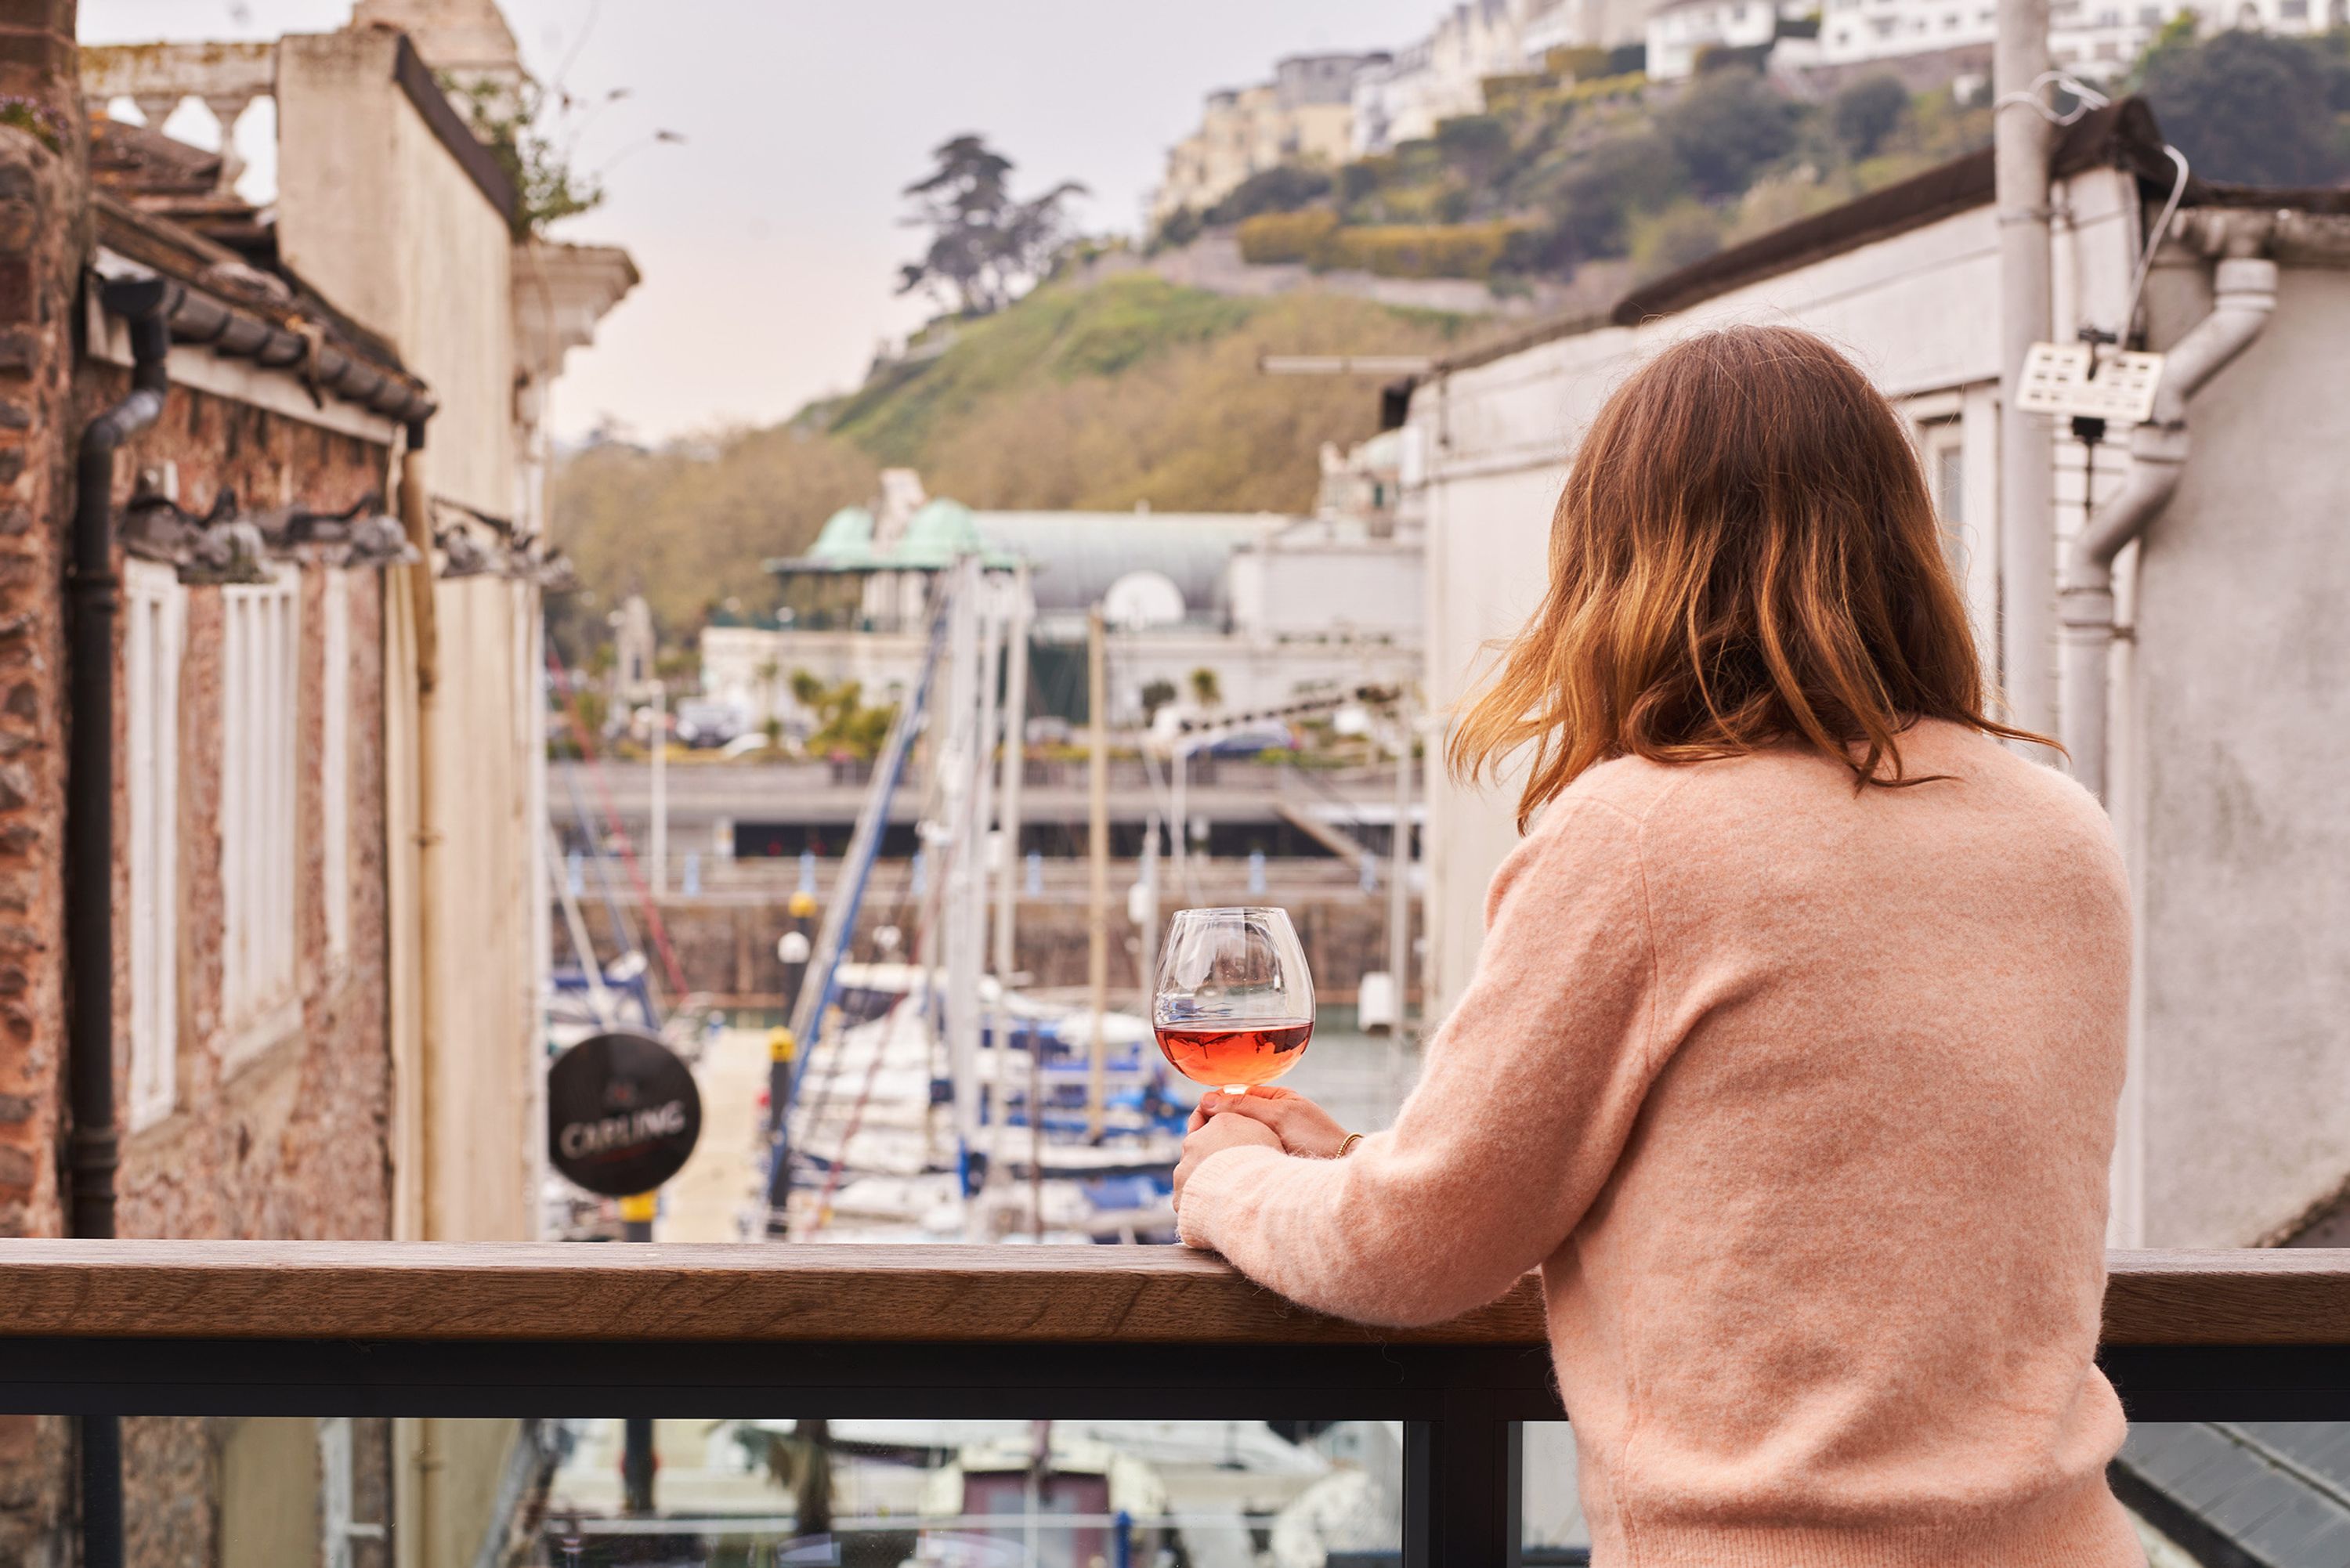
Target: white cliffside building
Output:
[(1440, 77), (1305, 114), (2096, 40), (1679, 33), (1550, 24)]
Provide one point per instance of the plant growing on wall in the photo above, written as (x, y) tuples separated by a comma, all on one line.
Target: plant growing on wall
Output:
[(32, 119), (532, 131)]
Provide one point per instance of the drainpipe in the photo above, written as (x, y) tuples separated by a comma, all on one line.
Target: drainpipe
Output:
[(89, 855), (2246, 298), (416, 518)]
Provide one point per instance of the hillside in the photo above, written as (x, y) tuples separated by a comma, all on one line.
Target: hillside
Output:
[(1585, 163), (1562, 170), (1126, 391)]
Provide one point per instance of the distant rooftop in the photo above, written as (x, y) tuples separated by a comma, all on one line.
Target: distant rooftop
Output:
[(1075, 556)]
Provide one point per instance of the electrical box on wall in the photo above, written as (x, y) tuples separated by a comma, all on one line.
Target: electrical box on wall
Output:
[(2085, 381)]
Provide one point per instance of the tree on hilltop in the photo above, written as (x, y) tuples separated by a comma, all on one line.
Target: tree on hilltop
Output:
[(1727, 127), (1866, 112), (985, 243), (2251, 108)]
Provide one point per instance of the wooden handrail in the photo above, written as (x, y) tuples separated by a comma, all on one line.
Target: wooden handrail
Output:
[(1003, 1296)]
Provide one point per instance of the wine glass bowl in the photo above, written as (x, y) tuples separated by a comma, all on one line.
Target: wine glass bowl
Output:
[(1235, 1001)]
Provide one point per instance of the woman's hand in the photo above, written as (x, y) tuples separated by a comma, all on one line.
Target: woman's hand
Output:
[(1302, 1126), (1215, 1136)]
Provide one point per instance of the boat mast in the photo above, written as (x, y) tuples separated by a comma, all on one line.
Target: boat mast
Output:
[(1015, 743), (958, 773), (1097, 849)]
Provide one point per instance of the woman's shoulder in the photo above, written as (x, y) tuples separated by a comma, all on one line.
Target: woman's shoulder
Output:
[(1629, 788), (1957, 768)]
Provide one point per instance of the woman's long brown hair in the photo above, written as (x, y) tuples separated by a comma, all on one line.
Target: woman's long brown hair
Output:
[(1745, 553)]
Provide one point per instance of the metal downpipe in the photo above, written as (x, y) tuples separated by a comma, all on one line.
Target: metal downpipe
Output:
[(92, 1147), (2246, 289), (2020, 137)]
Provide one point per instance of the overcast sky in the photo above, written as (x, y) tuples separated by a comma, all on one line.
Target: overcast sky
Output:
[(769, 242)]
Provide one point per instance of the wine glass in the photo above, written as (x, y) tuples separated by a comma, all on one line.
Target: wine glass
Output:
[(1234, 1005)]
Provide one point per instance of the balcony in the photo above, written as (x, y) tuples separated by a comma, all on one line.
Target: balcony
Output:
[(272, 1328)]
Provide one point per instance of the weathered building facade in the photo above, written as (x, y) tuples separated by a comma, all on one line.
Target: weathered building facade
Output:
[(253, 1074), (326, 749)]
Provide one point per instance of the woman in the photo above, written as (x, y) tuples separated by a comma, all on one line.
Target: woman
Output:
[(1793, 1048)]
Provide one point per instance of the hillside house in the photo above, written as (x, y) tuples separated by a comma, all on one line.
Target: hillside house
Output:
[(1679, 33), (1304, 115)]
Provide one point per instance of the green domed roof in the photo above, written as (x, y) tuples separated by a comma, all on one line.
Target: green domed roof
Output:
[(845, 539), (939, 532)]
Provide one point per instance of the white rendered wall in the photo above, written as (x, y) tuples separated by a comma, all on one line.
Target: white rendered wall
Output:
[(2239, 756), (1918, 311)]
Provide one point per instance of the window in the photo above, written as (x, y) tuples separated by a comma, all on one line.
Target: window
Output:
[(258, 702), (153, 631), (335, 763), (1944, 444)]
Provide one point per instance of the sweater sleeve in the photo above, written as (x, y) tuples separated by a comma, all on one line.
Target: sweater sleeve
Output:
[(1528, 1092)]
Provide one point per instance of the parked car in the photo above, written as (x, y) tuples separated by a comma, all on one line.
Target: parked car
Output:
[(1249, 743), (702, 725)]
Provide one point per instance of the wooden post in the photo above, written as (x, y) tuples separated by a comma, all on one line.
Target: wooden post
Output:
[(1097, 846)]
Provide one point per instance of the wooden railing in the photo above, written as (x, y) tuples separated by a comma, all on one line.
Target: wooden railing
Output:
[(367, 1328)]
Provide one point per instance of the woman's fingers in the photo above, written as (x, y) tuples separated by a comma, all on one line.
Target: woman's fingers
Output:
[(1221, 1133), (1256, 1107), (1303, 1126), (1212, 1102)]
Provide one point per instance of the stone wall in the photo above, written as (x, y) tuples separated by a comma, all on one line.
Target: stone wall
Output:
[(285, 1136), (292, 1140), (43, 235)]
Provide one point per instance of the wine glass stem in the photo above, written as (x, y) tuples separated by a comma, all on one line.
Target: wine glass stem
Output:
[(1236, 1089)]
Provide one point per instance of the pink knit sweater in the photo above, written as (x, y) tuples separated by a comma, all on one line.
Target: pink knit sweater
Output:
[(1802, 1101)]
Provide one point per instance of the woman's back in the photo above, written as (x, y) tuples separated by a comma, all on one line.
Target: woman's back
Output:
[(1852, 1257), (1800, 1096), (1793, 1049)]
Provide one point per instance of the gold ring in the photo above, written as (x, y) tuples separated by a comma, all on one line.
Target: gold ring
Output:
[(1348, 1147)]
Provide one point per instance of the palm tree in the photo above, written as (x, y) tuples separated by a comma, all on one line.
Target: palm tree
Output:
[(768, 673)]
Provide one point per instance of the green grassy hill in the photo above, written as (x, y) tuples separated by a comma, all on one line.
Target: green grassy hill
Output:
[(1126, 392)]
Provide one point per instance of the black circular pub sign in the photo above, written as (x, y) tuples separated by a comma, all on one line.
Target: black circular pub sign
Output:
[(622, 1113)]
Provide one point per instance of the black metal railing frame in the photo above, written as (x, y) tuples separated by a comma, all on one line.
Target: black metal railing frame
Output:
[(1461, 1406)]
